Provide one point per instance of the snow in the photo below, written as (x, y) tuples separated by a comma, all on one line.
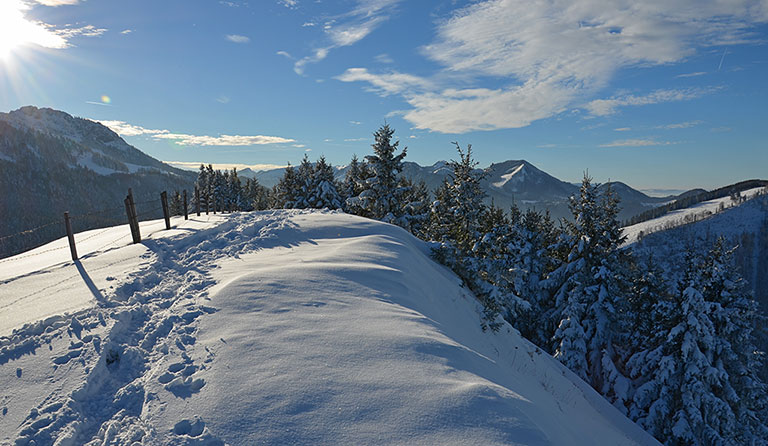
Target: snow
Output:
[(507, 177), (677, 217), (276, 327)]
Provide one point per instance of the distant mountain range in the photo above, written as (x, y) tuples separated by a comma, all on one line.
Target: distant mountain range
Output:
[(52, 162), (513, 181)]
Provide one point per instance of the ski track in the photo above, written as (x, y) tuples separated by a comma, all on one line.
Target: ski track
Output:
[(122, 344)]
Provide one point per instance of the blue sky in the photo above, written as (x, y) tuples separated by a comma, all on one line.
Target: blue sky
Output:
[(657, 94)]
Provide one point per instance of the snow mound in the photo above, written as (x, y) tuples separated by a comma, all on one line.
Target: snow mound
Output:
[(290, 327)]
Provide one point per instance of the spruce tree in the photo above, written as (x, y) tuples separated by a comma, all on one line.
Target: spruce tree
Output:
[(287, 190), (381, 197), (323, 192), (589, 294)]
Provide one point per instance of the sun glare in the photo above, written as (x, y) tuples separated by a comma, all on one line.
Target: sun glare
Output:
[(17, 31)]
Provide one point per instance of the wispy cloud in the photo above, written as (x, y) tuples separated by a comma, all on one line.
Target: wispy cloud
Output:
[(622, 129), (124, 129), (126, 31), (680, 125), (549, 57), (385, 84), (285, 54), (291, 4), (636, 143), (604, 107), (355, 139), (384, 58), (349, 28), (57, 2), (236, 38), (695, 74), (193, 165), (183, 139), (355, 122)]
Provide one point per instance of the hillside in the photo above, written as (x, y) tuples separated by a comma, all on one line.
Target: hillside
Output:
[(51, 162), (277, 327)]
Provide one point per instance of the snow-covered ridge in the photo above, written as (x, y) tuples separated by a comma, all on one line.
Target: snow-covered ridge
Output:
[(691, 214), (281, 327)]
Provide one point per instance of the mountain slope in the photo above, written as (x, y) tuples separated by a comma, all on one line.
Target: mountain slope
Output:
[(51, 162), (290, 327)]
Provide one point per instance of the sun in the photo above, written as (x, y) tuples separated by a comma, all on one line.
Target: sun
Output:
[(17, 31)]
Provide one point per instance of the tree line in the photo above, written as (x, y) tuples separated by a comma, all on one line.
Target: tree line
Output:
[(677, 355)]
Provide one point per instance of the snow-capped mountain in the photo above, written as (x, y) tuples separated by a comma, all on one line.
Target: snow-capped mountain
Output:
[(89, 144), (508, 182), (52, 162), (275, 327)]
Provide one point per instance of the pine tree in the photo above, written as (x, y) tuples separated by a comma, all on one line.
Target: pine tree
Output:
[(354, 183), (323, 192), (534, 257), (589, 290), (734, 315), (287, 190), (381, 197)]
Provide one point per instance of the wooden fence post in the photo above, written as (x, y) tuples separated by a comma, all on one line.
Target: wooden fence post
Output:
[(70, 236), (133, 219), (186, 214), (164, 201)]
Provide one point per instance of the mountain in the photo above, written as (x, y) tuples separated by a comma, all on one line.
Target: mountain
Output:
[(52, 162), (513, 181), (276, 327)]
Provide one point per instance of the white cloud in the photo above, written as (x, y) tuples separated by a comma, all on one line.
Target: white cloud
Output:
[(57, 2), (355, 139), (548, 57), (193, 165), (87, 31), (604, 107), (299, 146), (308, 24), (622, 129), (384, 58), (385, 84), (680, 125), (223, 99), (125, 129), (183, 139), (349, 28), (697, 73), (126, 31), (355, 122), (236, 38), (285, 54), (636, 143), (291, 4)]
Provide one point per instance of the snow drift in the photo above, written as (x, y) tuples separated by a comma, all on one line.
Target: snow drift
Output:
[(285, 327)]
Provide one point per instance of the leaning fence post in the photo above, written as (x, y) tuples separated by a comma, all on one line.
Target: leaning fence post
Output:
[(133, 219), (70, 236), (186, 214), (164, 201)]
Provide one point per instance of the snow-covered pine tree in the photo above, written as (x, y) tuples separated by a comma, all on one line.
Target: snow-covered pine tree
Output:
[(416, 207), (534, 256), (734, 314), (305, 183), (256, 196), (354, 182), (468, 237), (234, 191), (589, 292), (381, 197), (323, 192), (287, 190), (682, 401)]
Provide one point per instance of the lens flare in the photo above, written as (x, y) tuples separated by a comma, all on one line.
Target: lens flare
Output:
[(106, 99)]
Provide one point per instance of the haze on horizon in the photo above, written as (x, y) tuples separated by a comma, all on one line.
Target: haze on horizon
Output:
[(660, 95)]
